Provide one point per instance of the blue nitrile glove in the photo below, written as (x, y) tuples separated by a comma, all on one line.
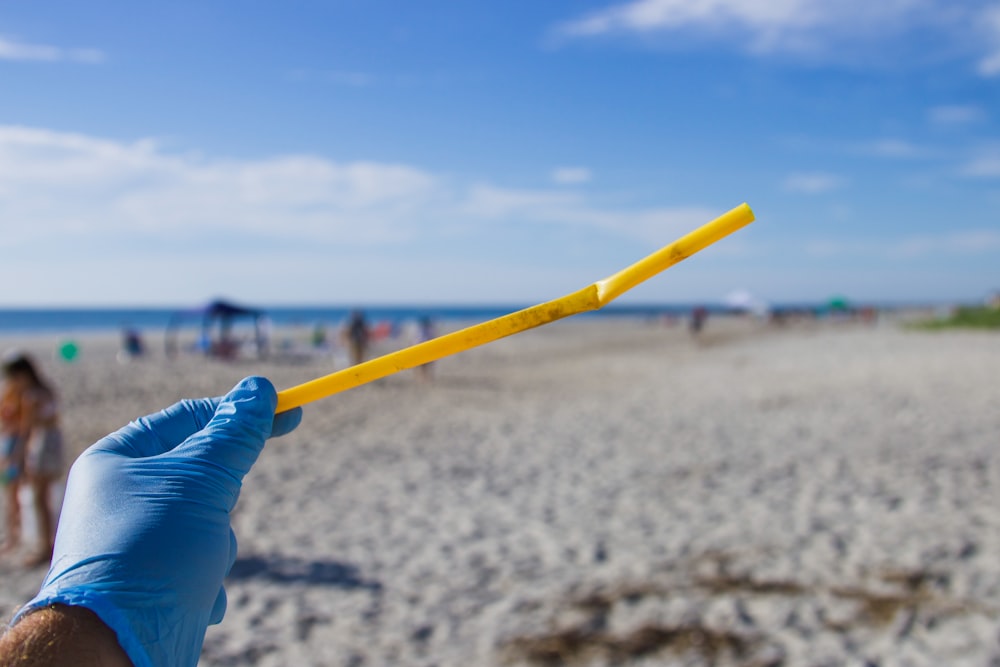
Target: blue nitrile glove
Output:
[(144, 539)]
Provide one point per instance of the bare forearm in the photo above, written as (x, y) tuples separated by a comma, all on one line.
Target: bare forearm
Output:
[(61, 636)]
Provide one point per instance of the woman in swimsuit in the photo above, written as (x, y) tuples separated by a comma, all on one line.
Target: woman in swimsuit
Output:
[(11, 463), (43, 446)]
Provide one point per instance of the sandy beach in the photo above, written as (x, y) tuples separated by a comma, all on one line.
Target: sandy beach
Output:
[(606, 492)]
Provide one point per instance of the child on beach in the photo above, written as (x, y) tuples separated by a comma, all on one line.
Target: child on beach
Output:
[(40, 440), (11, 464)]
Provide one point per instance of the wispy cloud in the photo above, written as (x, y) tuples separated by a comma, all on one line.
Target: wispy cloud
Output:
[(812, 183), (984, 163), (571, 175), (493, 201), (771, 25), (654, 226), (285, 227), (963, 242), (352, 78), (966, 242), (956, 114), (892, 148), (828, 30), (985, 166), (989, 22), (63, 185), (16, 50)]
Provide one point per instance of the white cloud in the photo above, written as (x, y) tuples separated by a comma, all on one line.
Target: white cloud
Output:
[(893, 148), (496, 202), (956, 114), (812, 183), (961, 243), (984, 165), (990, 65), (841, 31), (61, 185), (650, 15), (13, 49), (770, 25), (966, 242), (989, 22), (661, 226), (653, 226), (118, 221), (571, 175)]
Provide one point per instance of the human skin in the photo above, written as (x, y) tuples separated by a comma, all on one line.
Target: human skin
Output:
[(61, 636)]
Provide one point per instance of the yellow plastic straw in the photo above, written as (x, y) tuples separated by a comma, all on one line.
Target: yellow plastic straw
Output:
[(591, 297)]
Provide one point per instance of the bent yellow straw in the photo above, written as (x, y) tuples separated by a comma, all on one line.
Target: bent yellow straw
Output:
[(591, 297)]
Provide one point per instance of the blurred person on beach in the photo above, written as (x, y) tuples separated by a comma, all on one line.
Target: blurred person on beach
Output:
[(425, 331), (262, 336), (39, 432), (132, 345), (698, 317), (11, 463), (145, 540), (319, 340), (357, 337)]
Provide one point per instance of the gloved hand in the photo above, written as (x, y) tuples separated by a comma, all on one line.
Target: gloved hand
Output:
[(144, 539)]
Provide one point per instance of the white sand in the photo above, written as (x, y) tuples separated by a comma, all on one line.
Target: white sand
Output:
[(600, 492)]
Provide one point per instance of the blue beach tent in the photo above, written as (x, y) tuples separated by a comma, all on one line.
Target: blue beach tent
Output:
[(217, 319)]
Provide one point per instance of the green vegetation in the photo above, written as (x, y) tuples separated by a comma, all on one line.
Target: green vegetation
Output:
[(967, 317)]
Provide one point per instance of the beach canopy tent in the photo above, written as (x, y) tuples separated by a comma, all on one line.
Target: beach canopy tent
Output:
[(838, 304), (742, 301), (217, 319)]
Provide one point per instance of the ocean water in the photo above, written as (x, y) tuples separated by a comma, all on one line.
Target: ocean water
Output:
[(65, 321)]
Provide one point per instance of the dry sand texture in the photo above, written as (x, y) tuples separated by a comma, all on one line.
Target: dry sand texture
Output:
[(611, 493)]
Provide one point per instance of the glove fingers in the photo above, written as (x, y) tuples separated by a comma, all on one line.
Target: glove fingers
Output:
[(162, 431), (233, 437)]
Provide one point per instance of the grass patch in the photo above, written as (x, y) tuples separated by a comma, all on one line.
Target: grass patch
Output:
[(966, 317)]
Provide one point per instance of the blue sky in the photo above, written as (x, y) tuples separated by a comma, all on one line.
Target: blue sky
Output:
[(389, 151)]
